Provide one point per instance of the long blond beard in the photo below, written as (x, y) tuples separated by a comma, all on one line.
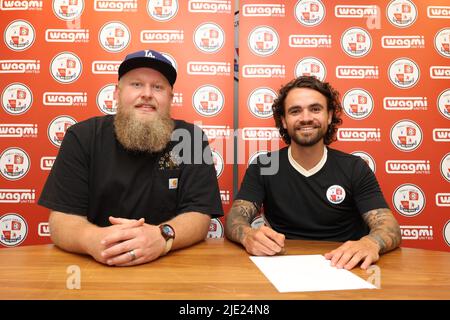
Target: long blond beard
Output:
[(140, 135)]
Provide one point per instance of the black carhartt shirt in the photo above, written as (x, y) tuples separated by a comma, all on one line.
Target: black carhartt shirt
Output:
[(94, 176)]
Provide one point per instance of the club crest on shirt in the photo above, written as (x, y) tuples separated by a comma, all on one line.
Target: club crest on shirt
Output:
[(335, 194)]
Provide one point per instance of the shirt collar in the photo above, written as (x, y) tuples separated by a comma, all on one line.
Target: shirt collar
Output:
[(303, 171)]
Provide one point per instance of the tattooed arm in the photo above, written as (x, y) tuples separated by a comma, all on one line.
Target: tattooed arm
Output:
[(384, 236), (262, 241), (384, 229)]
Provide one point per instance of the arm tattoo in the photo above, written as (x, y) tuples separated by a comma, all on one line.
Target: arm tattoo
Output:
[(240, 216), (384, 229)]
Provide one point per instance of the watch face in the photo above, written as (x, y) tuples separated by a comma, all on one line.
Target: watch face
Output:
[(168, 231)]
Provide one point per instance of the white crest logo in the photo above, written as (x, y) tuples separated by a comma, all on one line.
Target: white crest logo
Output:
[(404, 73), (14, 163), (208, 100), (57, 129), (336, 194), (66, 67), (445, 167), (19, 35), (442, 42), (310, 66), (13, 229), (260, 102), (357, 103), (367, 158), (446, 232), (263, 41), (68, 10), (309, 12), (105, 99), (409, 200), (17, 98), (215, 229), (356, 42), (114, 36), (406, 135), (401, 13), (162, 10), (443, 103), (255, 156), (218, 162), (209, 37)]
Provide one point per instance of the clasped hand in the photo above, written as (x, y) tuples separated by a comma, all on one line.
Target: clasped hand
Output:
[(115, 243)]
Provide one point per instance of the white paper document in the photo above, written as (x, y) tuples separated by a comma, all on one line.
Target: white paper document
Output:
[(297, 273)]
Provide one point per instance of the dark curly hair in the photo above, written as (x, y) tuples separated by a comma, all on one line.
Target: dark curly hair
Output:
[(333, 103)]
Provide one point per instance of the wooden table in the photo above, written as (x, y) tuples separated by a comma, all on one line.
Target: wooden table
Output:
[(213, 269)]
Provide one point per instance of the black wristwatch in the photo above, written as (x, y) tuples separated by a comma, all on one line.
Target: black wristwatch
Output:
[(168, 234)]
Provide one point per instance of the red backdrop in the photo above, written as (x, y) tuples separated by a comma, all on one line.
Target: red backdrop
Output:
[(390, 62), (58, 66)]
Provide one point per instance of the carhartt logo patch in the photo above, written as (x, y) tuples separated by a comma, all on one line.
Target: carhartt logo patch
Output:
[(173, 183)]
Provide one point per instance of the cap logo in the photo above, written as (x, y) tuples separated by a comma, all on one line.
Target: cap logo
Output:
[(149, 54)]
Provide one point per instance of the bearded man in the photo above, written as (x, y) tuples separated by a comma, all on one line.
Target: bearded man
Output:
[(117, 190)]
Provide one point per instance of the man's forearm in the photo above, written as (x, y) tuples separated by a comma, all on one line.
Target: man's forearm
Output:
[(190, 228), (239, 218), (69, 231), (384, 229)]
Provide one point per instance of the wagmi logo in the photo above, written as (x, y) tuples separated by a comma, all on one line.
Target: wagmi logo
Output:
[(263, 10), (44, 229), (210, 6), (225, 196), (258, 133), (440, 72), (408, 166), (359, 134), (403, 42), (263, 71), (20, 66), (47, 163), (357, 72), (405, 103), (441, 135), (355, 11), (309, 41), (443, 199), (162, 36), (214, 132), (20, 5), (208, 68), (438, 12), (67, 35), (18, 130), (17, 195), (115, 5), (105, 67), (65, 98), (417, 232)]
